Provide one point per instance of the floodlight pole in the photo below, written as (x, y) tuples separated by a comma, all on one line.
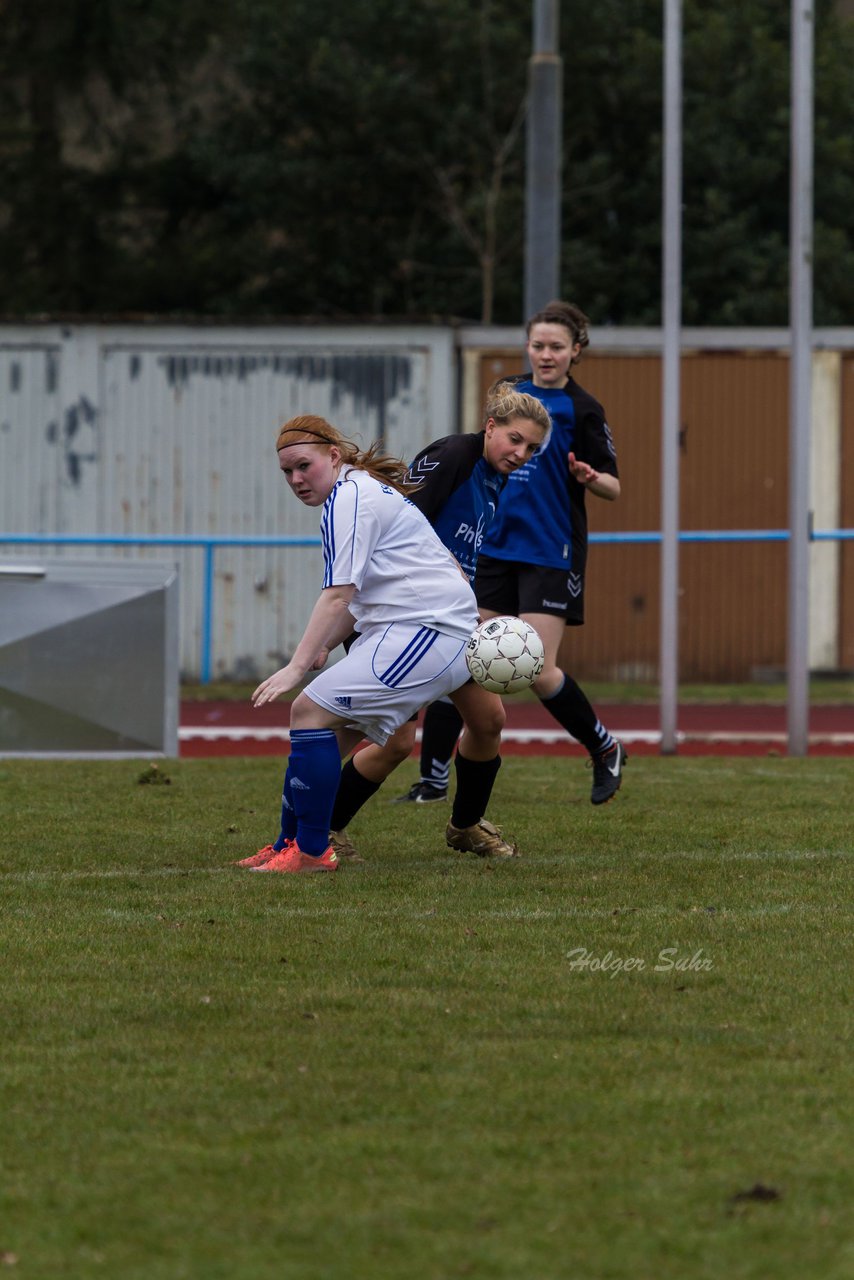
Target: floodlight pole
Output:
[(800, 373), (671, 380), (543, 161)]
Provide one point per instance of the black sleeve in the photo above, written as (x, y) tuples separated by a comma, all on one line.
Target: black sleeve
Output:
[(440, 469), (593, 441)]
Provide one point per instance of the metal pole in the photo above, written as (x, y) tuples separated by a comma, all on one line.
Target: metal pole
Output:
[(670, 402), (543, 162), (800, 373), (207, 613)]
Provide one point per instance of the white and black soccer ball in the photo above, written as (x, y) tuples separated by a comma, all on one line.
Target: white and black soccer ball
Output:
[(505, 655)]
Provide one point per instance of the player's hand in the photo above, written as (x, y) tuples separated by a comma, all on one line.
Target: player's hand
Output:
[(274, 686), (581, 471)]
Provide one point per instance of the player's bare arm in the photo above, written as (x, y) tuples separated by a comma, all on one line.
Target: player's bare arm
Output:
[(331, 622), (596, 482)]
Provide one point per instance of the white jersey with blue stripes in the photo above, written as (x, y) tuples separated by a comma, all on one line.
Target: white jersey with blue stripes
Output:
[(376, 540)]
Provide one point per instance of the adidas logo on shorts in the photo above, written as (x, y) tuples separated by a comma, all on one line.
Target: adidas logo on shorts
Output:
[(344, 701)]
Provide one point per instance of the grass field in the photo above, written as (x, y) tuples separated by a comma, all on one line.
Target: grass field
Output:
[(625, 1055)]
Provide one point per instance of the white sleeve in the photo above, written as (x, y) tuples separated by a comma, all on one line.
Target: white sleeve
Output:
[(350, 529)]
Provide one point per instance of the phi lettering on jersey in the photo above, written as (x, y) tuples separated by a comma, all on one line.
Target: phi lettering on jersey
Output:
[(474, 537)]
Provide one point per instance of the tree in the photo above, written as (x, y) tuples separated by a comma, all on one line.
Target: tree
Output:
[(406, 151), (254, 158), (97, 96)]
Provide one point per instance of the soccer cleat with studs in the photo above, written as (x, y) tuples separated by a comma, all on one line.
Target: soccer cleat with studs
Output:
[(258, 859), (292, 860), (344, 847), (423, 793), (483, 839), (607, 773)]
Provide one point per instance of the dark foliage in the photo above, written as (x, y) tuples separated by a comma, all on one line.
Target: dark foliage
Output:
[(255, 159)]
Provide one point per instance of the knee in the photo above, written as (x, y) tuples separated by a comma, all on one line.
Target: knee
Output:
[(490, 719), (548, 682), (495, 721), (304, 713), (400, 744)]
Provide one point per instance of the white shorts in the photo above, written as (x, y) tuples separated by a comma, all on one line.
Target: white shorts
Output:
[(390, 673)]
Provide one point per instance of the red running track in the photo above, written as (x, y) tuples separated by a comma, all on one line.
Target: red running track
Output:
[(237, 729)]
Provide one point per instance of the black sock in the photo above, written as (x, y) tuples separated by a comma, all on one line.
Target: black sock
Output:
[(353, 791), (570, 708), (442, 726), (475, 780)]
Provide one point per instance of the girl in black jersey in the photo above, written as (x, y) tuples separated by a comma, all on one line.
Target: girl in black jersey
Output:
[(534, 555)]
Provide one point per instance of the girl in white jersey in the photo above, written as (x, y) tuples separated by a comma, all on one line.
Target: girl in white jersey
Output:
[(388, 575), (459, 481)]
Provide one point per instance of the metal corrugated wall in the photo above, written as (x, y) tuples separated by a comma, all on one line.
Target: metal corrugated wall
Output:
[(167, 430), (621, 637), (32, 474), (846, 612), (733, 476), (171, 432)]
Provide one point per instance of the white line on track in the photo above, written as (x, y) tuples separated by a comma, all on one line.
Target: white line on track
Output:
[(236, 733)]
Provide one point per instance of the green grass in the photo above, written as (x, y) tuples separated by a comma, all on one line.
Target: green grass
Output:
[(398, 1071)]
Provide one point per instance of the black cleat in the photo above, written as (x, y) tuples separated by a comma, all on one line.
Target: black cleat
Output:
[(422, 793), (608, 773)]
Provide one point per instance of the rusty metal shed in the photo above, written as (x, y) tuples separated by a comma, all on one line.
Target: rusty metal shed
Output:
[(733, 476)]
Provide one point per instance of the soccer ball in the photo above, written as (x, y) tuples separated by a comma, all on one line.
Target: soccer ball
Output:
[(505, 655)]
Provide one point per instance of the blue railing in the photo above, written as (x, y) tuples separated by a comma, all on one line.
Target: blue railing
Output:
[(209, 545)]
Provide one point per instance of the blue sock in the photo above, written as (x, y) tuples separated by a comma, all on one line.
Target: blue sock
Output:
[(314, 771), (289, 818)]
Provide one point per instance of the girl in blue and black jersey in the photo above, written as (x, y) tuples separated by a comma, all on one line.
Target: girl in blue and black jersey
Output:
[(534, 556)]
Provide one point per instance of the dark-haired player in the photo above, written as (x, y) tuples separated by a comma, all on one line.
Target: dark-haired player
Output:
[(534, 556)]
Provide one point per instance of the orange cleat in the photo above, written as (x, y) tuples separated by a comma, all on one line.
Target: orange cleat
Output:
[(292, 859), (264, 855)]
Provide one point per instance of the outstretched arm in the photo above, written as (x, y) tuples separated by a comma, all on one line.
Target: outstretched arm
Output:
[(597, 482), (331, 622)]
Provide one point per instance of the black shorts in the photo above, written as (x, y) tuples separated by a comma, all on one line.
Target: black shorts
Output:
[(507, 586)]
